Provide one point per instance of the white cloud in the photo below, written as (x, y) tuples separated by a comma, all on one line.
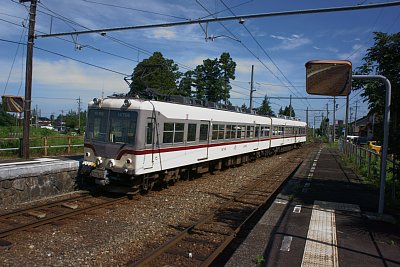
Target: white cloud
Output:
[(163, 34), (289, 43), (69, 75)]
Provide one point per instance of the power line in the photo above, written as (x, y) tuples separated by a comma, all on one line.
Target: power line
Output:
[(265, 52), (15, 57), (135, 9), (246, 16), (74, 59)]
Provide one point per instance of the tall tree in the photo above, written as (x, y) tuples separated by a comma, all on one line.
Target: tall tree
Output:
[(227, 70), (186, 83), (212, 79), (265, 108), (383, 58), (286, 111), (157, 73), (199, 82)]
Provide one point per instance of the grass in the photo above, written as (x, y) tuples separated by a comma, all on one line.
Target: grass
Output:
[(372, 176), (38, 139)]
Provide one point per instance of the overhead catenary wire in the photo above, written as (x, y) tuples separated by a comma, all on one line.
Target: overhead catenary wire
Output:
[(264, 51), (13, 62), (74, 59), (220, 19)]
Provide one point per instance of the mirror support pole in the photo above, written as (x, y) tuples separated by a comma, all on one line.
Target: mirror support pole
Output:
[(385, 133)]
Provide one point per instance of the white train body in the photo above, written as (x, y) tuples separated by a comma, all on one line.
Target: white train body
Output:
[(132, 140)]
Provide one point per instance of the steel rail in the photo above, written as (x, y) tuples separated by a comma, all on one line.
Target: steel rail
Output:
[(68, 214), (268, 192)]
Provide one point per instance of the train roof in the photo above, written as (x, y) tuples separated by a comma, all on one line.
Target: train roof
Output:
[(194, 110)]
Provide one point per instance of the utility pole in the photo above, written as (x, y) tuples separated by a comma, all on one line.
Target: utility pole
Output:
[(290, 106), (28, 77), (334, 119), (307, 115), (355, 117), (79, 114), (251, 89), (327, 122), (351, 115)]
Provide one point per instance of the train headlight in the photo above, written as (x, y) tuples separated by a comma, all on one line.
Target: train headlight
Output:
[(111, 163), (127, 102), (129, 161), (87, 154), (99, 161)]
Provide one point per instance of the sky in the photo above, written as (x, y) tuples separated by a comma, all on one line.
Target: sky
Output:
[(92, 65)]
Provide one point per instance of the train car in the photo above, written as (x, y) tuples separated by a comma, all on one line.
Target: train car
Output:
[(138, 142)]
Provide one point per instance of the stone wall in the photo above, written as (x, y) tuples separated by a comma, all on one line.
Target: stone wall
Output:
[(36, 179)]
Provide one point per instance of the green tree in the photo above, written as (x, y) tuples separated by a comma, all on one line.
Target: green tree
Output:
[(286, 111), (265, 108), (212, 79), (383, 58), (212, 75), (186, 83), (199, 83), (5, 118), (227, 71), (157, 73)]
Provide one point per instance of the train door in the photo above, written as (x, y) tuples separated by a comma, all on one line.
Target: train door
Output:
[(204, 139), (150, 143), (257, 134)]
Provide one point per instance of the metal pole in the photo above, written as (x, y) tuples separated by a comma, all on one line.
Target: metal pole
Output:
[(385, 134), (334, 118), (347, 118), (28, 79), (79, 114), (290, 106), (251, 88), (327, 122)]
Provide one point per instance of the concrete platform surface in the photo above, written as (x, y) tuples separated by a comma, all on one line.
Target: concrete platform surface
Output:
[(325, 216)]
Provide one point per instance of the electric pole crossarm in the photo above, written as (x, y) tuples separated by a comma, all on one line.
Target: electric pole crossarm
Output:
[(248, 16)]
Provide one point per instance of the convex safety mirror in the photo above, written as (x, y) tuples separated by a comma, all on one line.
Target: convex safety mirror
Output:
[(328, 77)]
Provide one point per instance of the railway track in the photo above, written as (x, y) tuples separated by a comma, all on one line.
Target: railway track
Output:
[(201, 243), (28, 218)]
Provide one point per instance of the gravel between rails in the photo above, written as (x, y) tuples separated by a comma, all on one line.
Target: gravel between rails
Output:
[(112, 236)]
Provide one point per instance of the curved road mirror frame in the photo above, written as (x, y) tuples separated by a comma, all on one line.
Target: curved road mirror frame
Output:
[(328, 77)]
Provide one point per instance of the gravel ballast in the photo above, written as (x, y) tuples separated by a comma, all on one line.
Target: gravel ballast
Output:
[(127, 231)]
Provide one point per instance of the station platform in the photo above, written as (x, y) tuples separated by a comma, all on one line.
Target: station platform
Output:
[(324, 216)]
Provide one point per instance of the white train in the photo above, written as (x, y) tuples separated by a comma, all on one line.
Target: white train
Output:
[(138, 142)]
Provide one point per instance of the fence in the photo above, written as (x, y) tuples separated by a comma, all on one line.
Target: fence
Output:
[(42, 146), (369, 162)]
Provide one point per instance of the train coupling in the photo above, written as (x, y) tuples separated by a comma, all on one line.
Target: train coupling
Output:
[(100, 176)]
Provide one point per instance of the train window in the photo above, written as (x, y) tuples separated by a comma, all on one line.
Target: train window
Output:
[(228, 131), (122, 126), (233, 132), (149, 133), (179, 130), (242, 131), (266, 131), (191, 132), (203, 132), (257, 132), (221, 131), (168, 134), (250, 132), (214, 132), (275, 130)]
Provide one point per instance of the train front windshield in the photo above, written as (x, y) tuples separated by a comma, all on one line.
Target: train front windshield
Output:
[(113, 126)]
